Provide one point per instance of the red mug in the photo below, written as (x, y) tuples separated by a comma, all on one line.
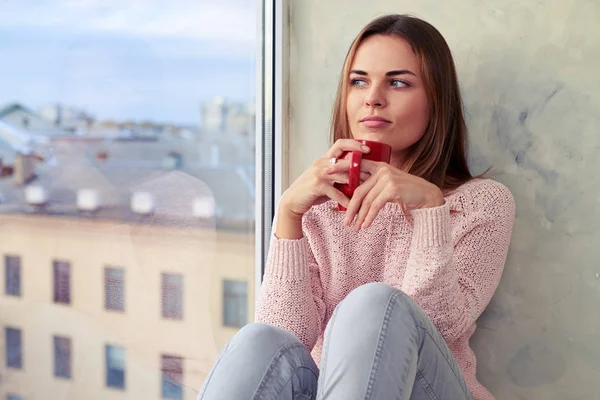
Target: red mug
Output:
[(380, 152)]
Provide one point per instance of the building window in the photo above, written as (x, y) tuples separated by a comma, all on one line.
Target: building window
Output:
[(235, 303), (172, 296), (12, 268), (62, 357), (115, 367), (172, 377), (114, 289), (62, 282), (14, 349)]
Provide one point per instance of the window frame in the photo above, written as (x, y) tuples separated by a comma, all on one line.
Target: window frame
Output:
[(107, 306), (271, 121), (56, 293), (10, 360), (165, 378), (55, 347), (164, 283), (8, 267), (107, 348), (232, 294)]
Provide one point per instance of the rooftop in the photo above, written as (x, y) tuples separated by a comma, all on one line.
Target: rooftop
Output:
[(191, 184)]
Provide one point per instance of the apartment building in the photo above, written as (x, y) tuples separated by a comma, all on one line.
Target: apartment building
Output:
[(121, 282)]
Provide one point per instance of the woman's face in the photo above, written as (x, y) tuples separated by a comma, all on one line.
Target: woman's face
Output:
[(386, 99)]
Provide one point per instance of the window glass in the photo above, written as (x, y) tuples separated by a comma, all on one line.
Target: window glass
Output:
[(12, 275), (128, 170), (62, 357), (14, 356), (115, 367), (235, 303), (114, 289)]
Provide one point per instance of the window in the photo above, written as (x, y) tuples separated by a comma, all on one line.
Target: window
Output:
[(156, 165), (115, 367), (235, 303), (14, 356), (62, 357), (172, 377), (12, 266), (172, 295), (62, 282), (114, 289)]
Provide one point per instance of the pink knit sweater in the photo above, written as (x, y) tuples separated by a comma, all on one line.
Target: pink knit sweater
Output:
[(449, 259)]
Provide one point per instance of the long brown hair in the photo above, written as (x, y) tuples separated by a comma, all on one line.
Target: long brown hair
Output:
[(440, 156)]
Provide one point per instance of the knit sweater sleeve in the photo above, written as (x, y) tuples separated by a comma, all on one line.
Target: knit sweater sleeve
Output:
[(454, 279), (291, 294)]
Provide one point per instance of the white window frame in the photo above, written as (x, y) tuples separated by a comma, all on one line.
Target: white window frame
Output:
[(271, 121)]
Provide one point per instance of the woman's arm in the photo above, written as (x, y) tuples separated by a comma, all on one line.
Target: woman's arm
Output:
[(291, 295), (454, 283)]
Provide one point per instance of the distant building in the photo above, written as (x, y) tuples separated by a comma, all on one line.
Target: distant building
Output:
[(25, 119), (218, 115), (214, 115), (67, 118)]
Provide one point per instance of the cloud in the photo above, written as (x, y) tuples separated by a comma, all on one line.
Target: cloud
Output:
[(227, 21)]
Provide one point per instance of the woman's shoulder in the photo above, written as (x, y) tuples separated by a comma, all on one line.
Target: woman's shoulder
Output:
[(482, 194)]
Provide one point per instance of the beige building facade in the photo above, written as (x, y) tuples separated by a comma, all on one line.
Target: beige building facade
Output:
[(206, 260)]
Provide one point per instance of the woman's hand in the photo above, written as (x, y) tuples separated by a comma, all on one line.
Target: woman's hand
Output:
[(387, 183), (315, 186)]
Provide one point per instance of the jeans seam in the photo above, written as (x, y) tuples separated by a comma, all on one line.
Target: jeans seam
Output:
[(325, 352), (200, 395), (269, 370), (380, 343), (291, 376), (450, 364), (426, 386)]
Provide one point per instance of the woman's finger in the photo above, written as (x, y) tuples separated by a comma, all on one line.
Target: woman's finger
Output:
[(344, 145), (356, 201), (344, 166), (376, 205), (337, 196), (371, 166), (369, 205), (342, 178), (339, 166)]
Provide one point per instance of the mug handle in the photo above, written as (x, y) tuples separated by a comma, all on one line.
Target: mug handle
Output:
[(354, 175)]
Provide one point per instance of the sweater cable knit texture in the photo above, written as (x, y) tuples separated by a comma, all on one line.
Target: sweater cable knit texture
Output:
[(449, 259)]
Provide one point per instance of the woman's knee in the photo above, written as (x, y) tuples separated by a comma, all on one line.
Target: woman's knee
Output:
[(376, 296), (261, 338)]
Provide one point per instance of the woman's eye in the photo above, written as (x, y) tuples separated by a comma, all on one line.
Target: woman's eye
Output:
[(398, 84), (358, 82)]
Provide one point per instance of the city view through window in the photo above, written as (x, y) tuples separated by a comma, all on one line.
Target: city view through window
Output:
[(127, 194)]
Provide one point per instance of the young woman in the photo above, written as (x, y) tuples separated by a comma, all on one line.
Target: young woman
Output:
[(386, 294)]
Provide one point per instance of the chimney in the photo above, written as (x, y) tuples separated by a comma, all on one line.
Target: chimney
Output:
[(142, 203), (24, 168), (88, 200), (36, 195), (204, 207)]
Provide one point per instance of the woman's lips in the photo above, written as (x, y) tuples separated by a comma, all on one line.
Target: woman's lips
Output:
[(375, 123)]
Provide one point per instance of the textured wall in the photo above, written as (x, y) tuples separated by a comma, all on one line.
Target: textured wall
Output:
[(529, 73)]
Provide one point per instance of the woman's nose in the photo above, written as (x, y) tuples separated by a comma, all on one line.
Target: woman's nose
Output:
[(375, 98)]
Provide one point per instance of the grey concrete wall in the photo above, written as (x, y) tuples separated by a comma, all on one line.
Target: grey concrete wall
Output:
[(529, 71)]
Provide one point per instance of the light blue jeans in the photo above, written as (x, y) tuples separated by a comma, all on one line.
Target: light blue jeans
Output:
[(379, 345)]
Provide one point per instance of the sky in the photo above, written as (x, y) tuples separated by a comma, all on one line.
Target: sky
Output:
[(128, 60)]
